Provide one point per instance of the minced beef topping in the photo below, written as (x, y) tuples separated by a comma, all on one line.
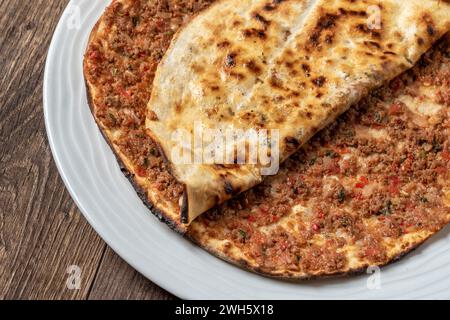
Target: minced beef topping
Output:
[(122, 69)]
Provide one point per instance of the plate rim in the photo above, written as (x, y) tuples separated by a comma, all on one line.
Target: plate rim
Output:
[(92, 222)]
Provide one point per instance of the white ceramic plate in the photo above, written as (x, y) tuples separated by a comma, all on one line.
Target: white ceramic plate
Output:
[(109, 203)]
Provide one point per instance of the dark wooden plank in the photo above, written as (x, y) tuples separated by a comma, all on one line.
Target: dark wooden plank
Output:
[(117, 280), (42, 232)]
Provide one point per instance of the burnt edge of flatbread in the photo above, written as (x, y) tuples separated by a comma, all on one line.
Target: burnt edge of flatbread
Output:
[(160, 213), (286, 276), (184, 206)]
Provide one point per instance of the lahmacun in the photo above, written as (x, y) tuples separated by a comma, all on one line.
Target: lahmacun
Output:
[(366, 190)]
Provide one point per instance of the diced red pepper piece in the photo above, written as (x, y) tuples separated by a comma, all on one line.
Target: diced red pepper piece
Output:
[(264, 209), (321, 214), (342, 150), (446, 154), (94, 55), (393, 186), (363, 182), (141, 172), (395, 108), (441, 170)]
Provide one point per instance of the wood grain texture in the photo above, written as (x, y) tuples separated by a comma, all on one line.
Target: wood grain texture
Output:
[(114, 270), (42, 232)]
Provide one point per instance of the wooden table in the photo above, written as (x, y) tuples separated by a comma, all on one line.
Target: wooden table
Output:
[(42, 232)]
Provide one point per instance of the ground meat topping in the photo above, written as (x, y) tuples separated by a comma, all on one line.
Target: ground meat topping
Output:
[(122, 72)]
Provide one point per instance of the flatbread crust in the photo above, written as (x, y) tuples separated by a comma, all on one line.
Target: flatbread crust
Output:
[(116, 48), (293, 67)]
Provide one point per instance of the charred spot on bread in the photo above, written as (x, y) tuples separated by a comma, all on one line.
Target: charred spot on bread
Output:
[(261, 19), (275, 82), (319, 81), (230, 60), (327, 21), (253, 67), (254, 33), (271, 6), (224, 44)]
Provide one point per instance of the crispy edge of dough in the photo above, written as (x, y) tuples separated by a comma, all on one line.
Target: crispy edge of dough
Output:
[(184, 207), (395, 256)]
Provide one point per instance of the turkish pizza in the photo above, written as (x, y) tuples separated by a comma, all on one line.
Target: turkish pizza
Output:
[(366, 190)]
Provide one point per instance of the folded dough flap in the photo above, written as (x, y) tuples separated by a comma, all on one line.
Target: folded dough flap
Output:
[(289, 66)]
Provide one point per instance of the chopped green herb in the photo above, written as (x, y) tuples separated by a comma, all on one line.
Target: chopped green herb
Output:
[(140, 136), (243, 233), (350, 133), (421, 141), (378, 117), (112, 118), (436, 146), (341, 195), (263, 117), (153, 152), (135, 21), (331, 154), (423, 199), (387, 210)]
